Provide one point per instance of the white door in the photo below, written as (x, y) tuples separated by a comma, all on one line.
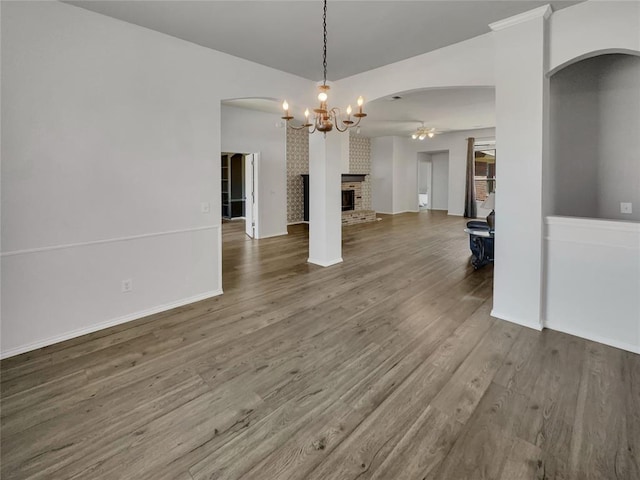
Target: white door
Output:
[(250, 166)]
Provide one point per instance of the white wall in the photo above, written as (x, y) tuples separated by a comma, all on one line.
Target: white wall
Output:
[(111, 142), (619, 137), (248, 131), (521, 141), (572, 180), (468, 63), (582, 268), (406, 154), (592, 280), (382, 174), (593, 27), (595, 117), (424, 173), (440, 181), (405, 177)]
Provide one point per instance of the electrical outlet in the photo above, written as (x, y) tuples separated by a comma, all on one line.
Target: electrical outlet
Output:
[(127, 285), (204, 207), (625, 207)]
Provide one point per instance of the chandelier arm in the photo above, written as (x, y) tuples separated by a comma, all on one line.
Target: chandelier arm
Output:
[(296, 128), (341, 130), (335, 113)]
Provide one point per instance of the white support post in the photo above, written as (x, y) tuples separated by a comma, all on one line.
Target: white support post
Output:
[(522, 110), (325, 213)]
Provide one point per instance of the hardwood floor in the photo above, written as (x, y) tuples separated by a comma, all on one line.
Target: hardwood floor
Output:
[(385, 367)]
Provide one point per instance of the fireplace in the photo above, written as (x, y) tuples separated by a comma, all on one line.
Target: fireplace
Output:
[(348, 200), (351, 196)]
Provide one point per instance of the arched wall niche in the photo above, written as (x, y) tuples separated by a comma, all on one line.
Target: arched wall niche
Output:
[(588, 55), (594, 160)]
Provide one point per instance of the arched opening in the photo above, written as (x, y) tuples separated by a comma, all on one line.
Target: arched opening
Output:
[(594, 169)]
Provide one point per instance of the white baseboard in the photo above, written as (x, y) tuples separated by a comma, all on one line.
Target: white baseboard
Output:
[(272, 235), (398, 213), (508, 318), (594, 338), (106, 324), (324, 264)]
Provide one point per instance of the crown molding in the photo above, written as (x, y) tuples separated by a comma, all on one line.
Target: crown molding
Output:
[(545, 11)]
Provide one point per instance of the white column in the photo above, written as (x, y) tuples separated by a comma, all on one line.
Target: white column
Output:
[(521, 146), (325, 212)]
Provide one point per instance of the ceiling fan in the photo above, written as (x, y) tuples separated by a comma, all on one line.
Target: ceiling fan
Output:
[(423, 132)]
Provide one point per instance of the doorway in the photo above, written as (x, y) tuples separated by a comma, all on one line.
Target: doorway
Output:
[(433, 180), (238, 173)]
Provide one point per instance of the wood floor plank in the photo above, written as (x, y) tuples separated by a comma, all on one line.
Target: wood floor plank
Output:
[(387, 366)]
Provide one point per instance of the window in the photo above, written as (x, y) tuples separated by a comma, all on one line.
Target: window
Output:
[(485, 167)]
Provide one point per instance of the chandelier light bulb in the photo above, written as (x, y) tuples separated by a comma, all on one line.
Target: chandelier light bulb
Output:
[(422, 136), (323, 118), (430, 134), (414, 136)]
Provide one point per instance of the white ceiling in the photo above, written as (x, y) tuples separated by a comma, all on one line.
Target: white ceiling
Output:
[(287, 35)]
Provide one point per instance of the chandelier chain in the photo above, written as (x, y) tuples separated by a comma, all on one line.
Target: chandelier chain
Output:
[(325, 118), (324, 54)]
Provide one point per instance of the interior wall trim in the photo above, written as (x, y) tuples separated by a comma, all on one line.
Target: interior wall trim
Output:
[(551, 239), (508, 318), (323, 263), (577, 332), (108, 323), (544, 11), (107, 240), (595, 223)]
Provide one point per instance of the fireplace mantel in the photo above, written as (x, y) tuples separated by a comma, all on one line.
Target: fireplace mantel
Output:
[(348, 177)]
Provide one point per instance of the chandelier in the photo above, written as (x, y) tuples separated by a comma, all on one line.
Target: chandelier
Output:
[(325, 118), (422, 132)]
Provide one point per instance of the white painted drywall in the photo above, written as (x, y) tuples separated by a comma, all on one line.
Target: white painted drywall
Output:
[(523, 150), (405, 177), (111, 143), (248, 131), (382, 174), (424, 173), (593, 27), (521, 137), (440, 181), (455, 143), (593, 279), (572, 180), (595, 120), (468, 63), (619, 136), (325, 217)]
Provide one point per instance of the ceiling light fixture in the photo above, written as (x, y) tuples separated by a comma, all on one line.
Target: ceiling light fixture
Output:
[(326, 118), (422, 132)]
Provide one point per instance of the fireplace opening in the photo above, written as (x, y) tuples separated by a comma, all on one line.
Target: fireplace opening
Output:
[(348, 200)]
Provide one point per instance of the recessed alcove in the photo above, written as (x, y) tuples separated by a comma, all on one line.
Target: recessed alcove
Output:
[(594, 157), (592, 249)]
